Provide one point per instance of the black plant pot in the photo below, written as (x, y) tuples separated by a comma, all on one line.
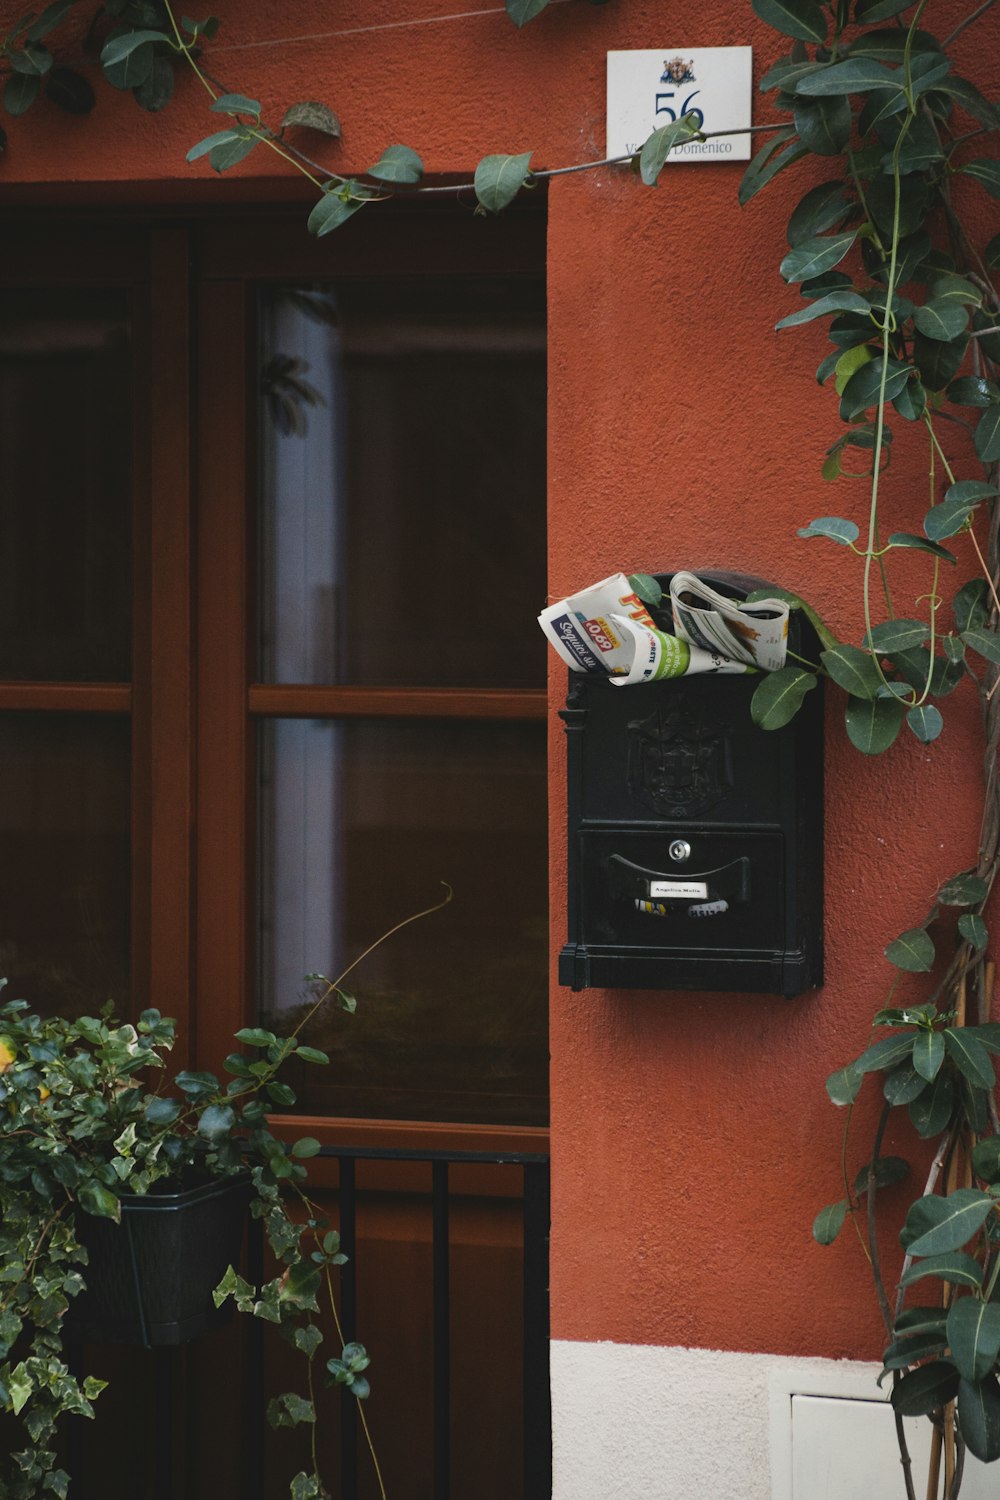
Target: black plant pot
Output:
[(150, 1278)]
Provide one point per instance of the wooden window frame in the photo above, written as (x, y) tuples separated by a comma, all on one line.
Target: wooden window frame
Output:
[(193, 702)]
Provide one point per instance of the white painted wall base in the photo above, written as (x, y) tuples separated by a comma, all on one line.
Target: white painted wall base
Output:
[(633, 1422)]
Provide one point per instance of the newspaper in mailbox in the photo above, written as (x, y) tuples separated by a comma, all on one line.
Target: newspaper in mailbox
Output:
[(607, 630), (753, 633)]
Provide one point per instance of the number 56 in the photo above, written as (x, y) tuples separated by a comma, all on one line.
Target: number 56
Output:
[(665, 109)]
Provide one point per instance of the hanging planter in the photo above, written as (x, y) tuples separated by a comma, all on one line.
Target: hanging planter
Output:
[(150, 1278)]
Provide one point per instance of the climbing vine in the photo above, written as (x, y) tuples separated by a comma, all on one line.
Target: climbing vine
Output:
[(892, 144)]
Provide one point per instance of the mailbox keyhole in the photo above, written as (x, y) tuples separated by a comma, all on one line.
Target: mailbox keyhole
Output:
[(679, 851)]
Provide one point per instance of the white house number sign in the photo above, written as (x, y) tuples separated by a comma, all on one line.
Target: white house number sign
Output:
[(712, 85)]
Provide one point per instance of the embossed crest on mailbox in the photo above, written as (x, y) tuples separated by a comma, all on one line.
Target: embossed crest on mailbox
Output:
[(695, 838)]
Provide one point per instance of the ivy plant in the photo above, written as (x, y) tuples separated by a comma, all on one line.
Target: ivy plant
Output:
[(88, 1115)]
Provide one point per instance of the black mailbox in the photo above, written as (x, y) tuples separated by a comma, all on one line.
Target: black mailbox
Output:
[(695, 838)]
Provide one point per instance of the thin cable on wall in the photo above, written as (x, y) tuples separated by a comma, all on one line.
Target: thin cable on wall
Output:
[(323, 36)]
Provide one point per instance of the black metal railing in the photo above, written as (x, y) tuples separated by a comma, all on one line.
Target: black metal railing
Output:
[(535, 1406)]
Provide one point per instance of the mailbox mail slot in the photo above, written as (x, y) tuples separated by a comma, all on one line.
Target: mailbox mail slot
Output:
[(695, 838)]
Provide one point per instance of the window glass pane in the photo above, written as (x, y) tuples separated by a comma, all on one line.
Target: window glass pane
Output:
[(359, 822), (64, 876), (65, 434), (403, 482)]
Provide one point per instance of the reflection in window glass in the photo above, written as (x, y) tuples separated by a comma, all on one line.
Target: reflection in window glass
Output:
[(64, 876), (65, 435), (360, 821), (403, 482)]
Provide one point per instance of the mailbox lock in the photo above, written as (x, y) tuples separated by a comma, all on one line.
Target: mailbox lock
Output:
[(679, 851)]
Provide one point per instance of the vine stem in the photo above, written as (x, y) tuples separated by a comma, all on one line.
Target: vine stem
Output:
[(358, 1404), (333, 985), (974, 16)]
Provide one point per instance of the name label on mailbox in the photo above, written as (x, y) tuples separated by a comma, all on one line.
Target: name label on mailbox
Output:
[(711, 85), (685, 890)]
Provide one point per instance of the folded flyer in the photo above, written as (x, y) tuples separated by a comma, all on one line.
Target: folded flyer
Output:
[(607, 630)]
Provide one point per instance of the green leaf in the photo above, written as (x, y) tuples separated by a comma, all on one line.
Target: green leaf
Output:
[(965, 889), (769, 161), (20, 92), (928, 1054), (938, 362), (912, 951), (312, 1055), (804, 19), (898, 635), (930, 1114), (985, 170), (856, 75), (948, 518), (236, 104), (925, 721), (911, 401), (985, 642), (813, 256), (397, 164), (308, 1339), (873, 725), (334, 209), (122, 46), (49, 19), (311, 115), (779, 696), (829, 1222), (227, 153), (822, 207), (852, 669), (979, 1417), (94, 1198), (971, 604), (523, 11), (904, 1085), (919, 544), (647, 588), (218, 138), (162, 1111), (833, 302), (986, 1159), (973, 1329), (883, 1056), (974, 390), (888, 1170), (974, 930), (987, 438), (133, 70), (156, 91), (32, 61), (824, 125), (306, 1145), (848, 363), (867, 12), (865, 386), (944, 321), (955, 1267), (970, 1056), (499, 179), (935, 1224), (924, 1389), (834, 527), (844, 1085), (658, 146), (216, 1122)]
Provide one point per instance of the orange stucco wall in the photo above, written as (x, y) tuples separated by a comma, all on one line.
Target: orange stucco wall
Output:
[(691, 1137)]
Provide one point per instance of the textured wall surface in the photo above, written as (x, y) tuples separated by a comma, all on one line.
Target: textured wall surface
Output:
[(692, 1140)]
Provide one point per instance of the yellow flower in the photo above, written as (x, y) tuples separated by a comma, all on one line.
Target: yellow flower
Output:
[(6, 1053), (43, 1092)]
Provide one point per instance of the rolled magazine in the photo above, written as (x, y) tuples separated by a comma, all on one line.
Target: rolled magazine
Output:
[(607, 630)]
